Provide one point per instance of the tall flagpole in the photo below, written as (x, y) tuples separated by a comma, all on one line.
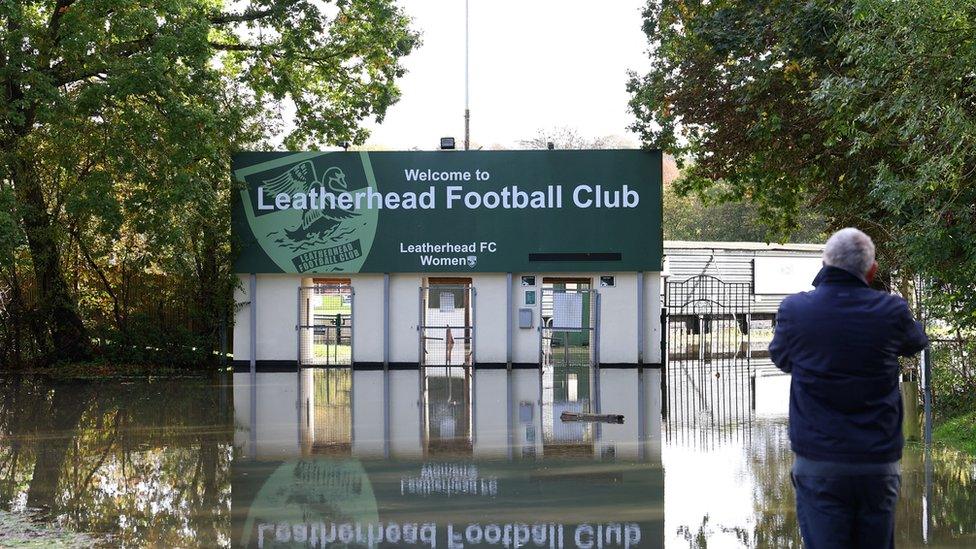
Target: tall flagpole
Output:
[(467, 111)]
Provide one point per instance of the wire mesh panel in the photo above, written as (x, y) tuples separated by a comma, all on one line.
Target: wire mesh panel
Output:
[(447, 325), (568, 355), (325, 330), (708, 383)]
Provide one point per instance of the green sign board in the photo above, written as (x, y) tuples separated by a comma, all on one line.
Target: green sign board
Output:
[(448, 211)]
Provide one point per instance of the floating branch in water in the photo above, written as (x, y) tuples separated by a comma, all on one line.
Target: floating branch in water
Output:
[(599, 418)]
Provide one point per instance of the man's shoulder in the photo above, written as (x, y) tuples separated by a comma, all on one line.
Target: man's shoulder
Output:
[(796, 300), (892, 302)]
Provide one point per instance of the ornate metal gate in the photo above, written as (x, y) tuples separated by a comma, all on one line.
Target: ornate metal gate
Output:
[(325, 325), (708, 381)]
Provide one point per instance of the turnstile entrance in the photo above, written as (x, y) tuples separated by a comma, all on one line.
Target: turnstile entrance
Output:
[(325, 325), (447, 354), (447, 322), (568, 357)]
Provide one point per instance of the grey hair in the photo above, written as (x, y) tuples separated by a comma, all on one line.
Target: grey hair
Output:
[(851, 250)]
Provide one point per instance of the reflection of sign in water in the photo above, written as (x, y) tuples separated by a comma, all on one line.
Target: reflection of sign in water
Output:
[(567, 310), (448, 479), (327, 497), (380, 504)]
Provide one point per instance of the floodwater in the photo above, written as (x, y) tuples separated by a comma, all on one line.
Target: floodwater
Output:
[(451, 459)]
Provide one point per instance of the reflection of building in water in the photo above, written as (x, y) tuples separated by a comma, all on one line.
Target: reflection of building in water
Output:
[(461, 413), (447, 410), (326, 423), (455, 448), (569, 319), (567, 389)]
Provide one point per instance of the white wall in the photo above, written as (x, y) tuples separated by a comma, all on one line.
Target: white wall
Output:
[(242, 319), (652, 318), (404, 314), (367, 318), (618, 319), (277, 300), (525, 341), (489, 315), (278, 315)]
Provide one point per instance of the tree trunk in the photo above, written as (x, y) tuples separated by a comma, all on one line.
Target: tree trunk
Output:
[(69, 339), (58, 430), (211, 296)]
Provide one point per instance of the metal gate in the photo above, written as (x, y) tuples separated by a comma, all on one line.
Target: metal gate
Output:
[(708, 382), (446, 325), (325, 325), (568, 362)]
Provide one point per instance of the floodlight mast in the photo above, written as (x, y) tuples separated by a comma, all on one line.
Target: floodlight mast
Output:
[(467, 110)]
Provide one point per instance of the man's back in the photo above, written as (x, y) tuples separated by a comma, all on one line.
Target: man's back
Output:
[(841, 343)]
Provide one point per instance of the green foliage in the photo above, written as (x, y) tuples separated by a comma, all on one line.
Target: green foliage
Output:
[(704, 217), (958, 432), (117, 125), (953, 377), (863, 109)]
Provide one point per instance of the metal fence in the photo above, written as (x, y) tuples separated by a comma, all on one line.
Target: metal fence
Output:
[(952, 367), (708, 375)]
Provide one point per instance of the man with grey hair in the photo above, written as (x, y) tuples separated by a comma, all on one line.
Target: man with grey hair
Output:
[(841, 343)]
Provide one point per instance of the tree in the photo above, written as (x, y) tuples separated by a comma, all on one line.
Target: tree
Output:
[(865, 110), (703, 217), (116, 123), (565, 137)]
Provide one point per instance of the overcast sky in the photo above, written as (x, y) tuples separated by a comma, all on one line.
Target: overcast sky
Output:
[(535, 64)]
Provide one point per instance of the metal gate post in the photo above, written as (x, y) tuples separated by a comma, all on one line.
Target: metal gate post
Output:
[(640, 320), (352, 322), (596, 330), (254, 324), (386, 321), (298, 325), (474, 325), (508, 320), (420, 329)]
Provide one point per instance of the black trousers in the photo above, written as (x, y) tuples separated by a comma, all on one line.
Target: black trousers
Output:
[(847, 511)]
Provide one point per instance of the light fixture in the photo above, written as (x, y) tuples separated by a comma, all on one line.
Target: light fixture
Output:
[(447, 143)]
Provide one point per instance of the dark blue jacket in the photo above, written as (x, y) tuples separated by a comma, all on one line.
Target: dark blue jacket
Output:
[(841, 341)]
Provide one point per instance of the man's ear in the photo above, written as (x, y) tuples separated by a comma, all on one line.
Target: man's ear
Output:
[(871, 272)]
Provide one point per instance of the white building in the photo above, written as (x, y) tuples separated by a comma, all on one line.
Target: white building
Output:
[(495, 259)]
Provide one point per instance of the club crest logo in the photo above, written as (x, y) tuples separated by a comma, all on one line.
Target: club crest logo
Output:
[(472, 261), (308, 232)]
